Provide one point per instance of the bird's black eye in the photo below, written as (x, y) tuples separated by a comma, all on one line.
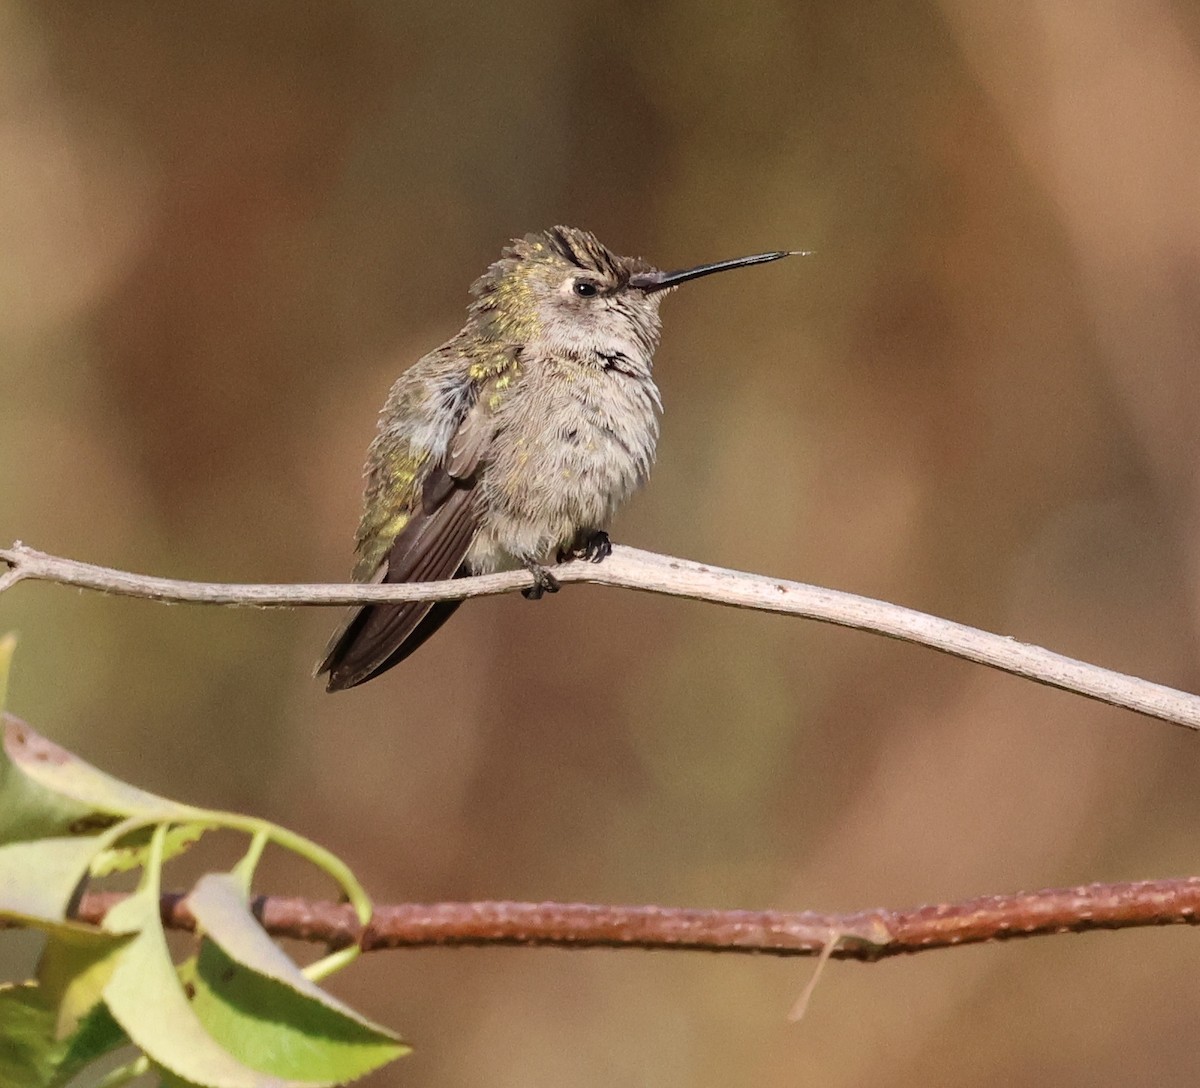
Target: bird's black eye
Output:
[(586, 289)]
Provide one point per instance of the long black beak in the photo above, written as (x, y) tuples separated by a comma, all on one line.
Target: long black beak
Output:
[(660, 281)]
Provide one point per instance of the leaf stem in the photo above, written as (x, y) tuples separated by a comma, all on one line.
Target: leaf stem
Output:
[(335, 961), (125, 1073), (323, 859), (244, 869), (7, 645)]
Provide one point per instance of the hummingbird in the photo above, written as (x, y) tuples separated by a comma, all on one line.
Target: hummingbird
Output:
[(513, 444)]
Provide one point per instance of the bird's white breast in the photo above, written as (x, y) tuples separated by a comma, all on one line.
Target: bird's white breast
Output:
[(570, 448)]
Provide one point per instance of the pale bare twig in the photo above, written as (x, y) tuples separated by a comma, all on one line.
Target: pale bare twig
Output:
[(631, 568), (866, 935)]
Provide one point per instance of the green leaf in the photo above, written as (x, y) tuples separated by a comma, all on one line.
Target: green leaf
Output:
[(32, 1056), (38, 879), (145, 997), (96, 1035), (131, 853), (271, 1026), (248, 1018), (28, 810), (255, 1000), (219, 906), (46, 790), (74, 968)]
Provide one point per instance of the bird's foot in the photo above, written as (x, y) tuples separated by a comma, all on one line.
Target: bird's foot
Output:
[(594, 547), (543, 582), (597, 547)]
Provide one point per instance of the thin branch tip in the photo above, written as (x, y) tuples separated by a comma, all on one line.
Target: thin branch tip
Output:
[(12, 575), (650, 572)]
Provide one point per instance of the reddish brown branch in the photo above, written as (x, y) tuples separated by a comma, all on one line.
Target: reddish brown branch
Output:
[(866, 935)]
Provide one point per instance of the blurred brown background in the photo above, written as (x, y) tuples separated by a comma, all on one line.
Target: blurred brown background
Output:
[(226, 227)]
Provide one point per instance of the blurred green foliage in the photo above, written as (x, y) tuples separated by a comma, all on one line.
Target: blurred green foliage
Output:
[(248, 1017)]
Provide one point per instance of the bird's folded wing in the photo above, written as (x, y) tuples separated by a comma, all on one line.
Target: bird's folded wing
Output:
[(430, 547)]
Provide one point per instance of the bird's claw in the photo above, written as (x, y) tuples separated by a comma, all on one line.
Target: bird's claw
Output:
[(594, 547), (597, 547), (543, 582)]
